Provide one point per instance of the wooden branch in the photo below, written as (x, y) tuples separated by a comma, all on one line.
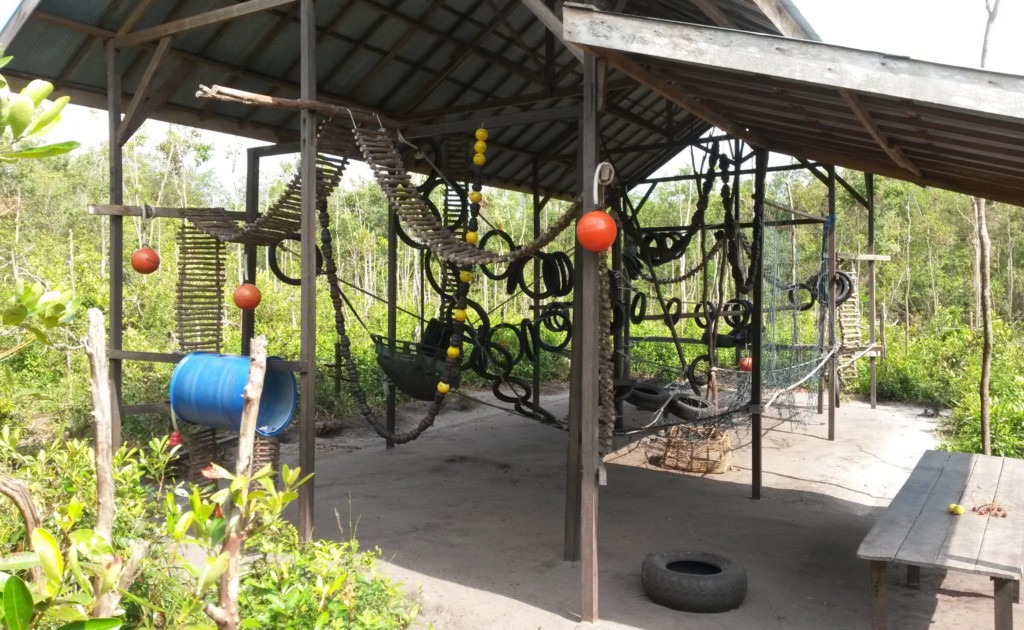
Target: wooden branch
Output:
[(18, 492), (225, 614), (209, 18), (231, 95), (107, 605), (99, 383)]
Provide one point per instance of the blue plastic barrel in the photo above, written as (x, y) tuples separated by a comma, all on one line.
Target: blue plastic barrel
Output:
[(207, 389)]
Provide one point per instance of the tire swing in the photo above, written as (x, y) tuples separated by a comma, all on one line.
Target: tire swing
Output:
[(694, 581)]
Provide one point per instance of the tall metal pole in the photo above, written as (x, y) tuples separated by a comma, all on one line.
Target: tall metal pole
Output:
[(833, 384), (869, 185), (116, 237), (391, 407), (307, 231), (760, 176), (536, 283), (252, 210)]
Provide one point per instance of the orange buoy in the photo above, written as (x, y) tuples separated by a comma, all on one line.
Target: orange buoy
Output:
[(747, 364), (247, 296), (145, 260), (596, 231)]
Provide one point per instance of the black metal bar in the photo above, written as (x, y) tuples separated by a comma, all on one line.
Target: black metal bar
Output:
[(833, 385), (116, 260), (756, 464), (692, 176), (391, 403), (307, 335), (536, 284), (252, 210)]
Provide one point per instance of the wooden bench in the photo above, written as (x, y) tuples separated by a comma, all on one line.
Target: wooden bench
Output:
[(918, 530)]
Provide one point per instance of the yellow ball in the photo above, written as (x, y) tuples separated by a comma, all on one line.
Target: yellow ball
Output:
[(481, 134), (466, 276), (959, 510), (472, 238), (475, 197), (459, 315), (480, 146), (479, 159), (453, 352), (443, 387)]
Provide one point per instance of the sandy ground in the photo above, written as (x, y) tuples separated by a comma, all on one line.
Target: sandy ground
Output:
[(470, 518)]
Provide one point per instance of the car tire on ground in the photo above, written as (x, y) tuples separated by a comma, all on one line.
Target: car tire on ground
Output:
[(694, 581)]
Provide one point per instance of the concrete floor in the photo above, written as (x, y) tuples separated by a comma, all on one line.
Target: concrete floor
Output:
[(470, 518)]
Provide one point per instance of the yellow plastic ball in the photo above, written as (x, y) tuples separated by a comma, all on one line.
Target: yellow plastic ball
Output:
[(475, 197), (459, 315), (472, 238), (480, 146), (479, 159), (453, 352), (466, 276), (443, 387), (481, 134)]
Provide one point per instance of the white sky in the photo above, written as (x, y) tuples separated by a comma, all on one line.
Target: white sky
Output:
[(943, 31)]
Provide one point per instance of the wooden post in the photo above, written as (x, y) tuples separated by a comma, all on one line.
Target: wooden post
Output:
[(879, 595), (116, 236), (307, 352), (756, 465), (95, 348), (583, 409), (1004, 591), (535, 176), (833, 384), (869, 184), (252, 210)]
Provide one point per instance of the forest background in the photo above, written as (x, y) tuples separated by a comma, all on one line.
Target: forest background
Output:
[(927, 291)]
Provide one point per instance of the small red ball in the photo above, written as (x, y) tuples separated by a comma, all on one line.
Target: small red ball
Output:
[(247, 296), (747, 364), (596, 231), (145, 260)]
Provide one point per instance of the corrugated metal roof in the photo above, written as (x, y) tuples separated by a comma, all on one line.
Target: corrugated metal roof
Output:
[(416, 61), (956, 128)]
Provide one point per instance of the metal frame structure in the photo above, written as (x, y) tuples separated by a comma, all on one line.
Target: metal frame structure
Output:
[(631, 84)]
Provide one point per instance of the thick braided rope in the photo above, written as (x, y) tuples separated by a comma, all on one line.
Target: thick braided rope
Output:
[(378, 149), (606, 384)]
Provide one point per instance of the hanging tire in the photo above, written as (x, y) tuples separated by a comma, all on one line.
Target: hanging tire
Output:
[(689, 407), (694, 581), (648, 396)]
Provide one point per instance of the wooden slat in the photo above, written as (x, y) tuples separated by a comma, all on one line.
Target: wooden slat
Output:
[(209, 18), (885, 538), (963, 542), (1002, 551), (928, 532)]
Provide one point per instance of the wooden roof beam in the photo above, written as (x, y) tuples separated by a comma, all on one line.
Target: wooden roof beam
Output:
[(783, 19), (716, 15), (553, 24), (132, 116), (893, 151), (209, 18)]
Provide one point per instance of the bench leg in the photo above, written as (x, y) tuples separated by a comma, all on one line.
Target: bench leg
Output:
[(913, 576), (1004, 591), (879, 595)]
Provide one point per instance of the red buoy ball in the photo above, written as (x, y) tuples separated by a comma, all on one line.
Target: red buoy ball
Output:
[(747, 364), (174, 439), (247, 296), (596, 231), (145, 260)]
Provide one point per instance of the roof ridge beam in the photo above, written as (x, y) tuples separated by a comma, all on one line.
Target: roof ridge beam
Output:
[(862, 114), (209, 18)]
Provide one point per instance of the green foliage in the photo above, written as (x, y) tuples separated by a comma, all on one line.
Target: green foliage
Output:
[(27, 115), (323, 584)]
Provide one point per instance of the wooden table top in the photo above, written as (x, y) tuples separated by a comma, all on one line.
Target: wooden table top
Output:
[(918, 529)]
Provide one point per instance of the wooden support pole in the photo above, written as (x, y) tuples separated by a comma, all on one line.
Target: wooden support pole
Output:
[(869, 185), (116, 261), (134, 111), (307, 230), (583, 409), (833, 383), (1004, 591), (535, 177), (210, 18), (96, 348), (391, 408), (756, 465), (879, 595)]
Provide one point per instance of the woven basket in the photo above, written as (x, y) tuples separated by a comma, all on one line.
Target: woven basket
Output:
[(697, 449)]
